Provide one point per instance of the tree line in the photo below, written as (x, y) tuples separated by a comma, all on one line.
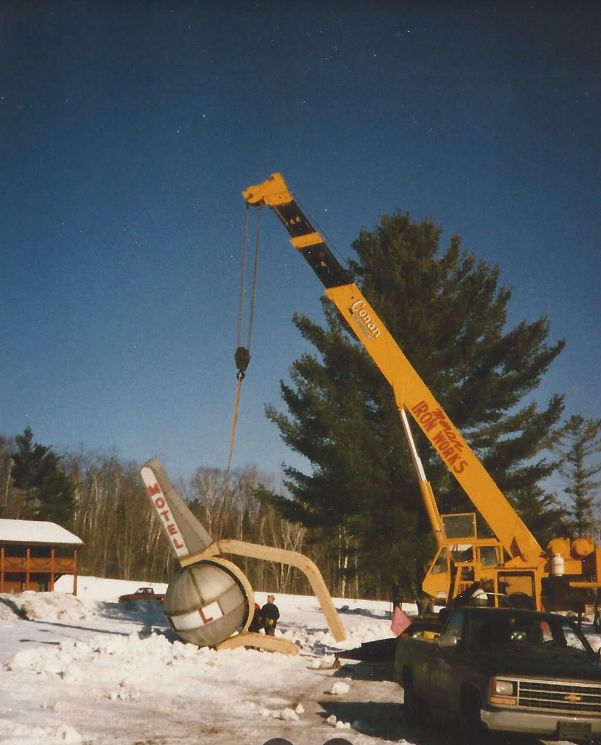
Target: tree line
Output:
[(110, 512), (101, 498), (356, 511)]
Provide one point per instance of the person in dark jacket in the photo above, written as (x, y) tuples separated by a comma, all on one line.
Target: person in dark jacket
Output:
[(270, 614), (255, 624)]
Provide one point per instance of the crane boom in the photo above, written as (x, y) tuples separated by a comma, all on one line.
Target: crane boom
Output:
[(410, 391)]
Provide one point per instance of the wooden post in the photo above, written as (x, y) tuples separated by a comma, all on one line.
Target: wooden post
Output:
[(51, 583), (75, 572)]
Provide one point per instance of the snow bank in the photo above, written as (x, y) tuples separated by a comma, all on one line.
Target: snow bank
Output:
[(86, 670), (21, 734), (101, 588), (47, 606)]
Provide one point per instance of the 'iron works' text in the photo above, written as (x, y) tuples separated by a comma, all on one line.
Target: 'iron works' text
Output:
[(444, 436)]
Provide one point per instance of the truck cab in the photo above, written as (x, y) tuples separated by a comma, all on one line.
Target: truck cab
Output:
[(504, 670)]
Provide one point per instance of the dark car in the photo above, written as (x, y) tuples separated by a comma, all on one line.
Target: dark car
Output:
[(142, 593)]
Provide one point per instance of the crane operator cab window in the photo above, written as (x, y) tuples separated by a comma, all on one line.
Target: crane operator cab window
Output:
[(459, 525), (441, 562), (517, 589), (451, 635), (489, 556), (462, 553)]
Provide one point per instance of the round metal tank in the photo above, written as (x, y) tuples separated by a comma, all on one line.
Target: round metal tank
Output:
[(582, 547), (209, 601)]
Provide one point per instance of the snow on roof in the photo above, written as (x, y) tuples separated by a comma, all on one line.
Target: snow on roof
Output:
[(35, 531)]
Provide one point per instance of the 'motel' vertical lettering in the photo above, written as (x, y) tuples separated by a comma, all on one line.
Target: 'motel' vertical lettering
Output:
[(160, 504)]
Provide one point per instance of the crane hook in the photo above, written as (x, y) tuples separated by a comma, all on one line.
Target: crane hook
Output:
[(242, 359)]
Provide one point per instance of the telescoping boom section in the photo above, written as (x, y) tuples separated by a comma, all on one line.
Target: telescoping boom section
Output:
[(410, 391), (515, 546)]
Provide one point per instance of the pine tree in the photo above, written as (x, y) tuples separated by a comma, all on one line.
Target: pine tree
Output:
[(449, 315), (581, 467), (541, 512), (49, 491)]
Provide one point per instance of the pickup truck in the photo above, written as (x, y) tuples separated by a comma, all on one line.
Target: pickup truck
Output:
[(503, 670), (142, 593)]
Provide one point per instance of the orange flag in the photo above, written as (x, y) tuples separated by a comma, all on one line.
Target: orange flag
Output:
[(400, 621)]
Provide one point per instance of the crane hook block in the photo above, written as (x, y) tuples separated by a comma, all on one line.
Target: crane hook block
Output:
[(241, 358)]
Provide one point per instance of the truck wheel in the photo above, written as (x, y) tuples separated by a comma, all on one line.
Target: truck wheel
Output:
[(414, 709), (471, 729)]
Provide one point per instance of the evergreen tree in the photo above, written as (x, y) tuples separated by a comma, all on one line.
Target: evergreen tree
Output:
[(542, 513), (581, 468), (449, 315), (49, 491)]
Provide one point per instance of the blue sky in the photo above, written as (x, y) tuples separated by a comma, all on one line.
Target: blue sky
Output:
[(129, 129)]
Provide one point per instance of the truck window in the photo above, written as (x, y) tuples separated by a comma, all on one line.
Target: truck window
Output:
[(571, 637), (455, 623), (526, 631), (521, 631), (487, 630), (542, 632)]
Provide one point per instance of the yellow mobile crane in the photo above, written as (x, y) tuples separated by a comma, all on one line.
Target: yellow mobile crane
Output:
[(512, 563)]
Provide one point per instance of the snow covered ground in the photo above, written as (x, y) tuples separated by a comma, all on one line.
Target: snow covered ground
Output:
[(90, 670)]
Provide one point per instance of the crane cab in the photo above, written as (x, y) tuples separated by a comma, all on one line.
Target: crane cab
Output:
[(464, 558)]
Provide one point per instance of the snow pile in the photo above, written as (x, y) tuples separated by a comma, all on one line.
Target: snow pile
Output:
[(321, 641), (286, 715), (83, 670), (48, 606), (100, 588), (338, 723), (21, 734), (339, 688), (86, 671), (8, 610)]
